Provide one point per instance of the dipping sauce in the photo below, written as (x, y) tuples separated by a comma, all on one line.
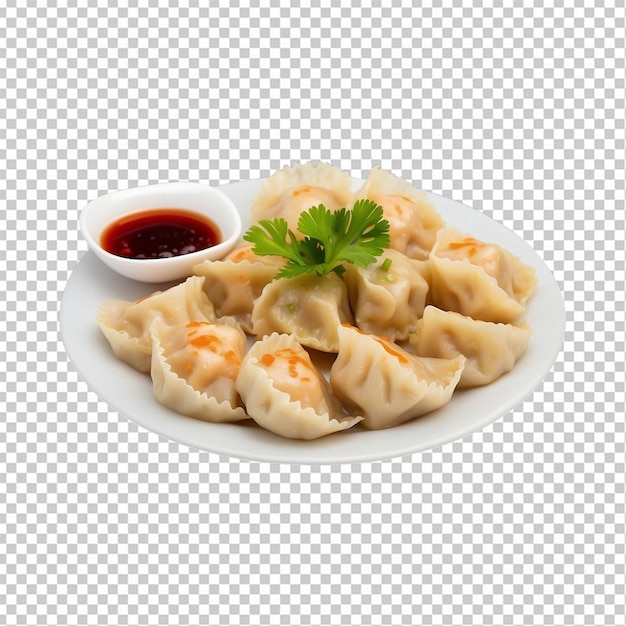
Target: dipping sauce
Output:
[(159, 233)]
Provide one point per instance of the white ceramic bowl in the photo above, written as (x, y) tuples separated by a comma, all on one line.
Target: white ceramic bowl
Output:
[(194, 197)]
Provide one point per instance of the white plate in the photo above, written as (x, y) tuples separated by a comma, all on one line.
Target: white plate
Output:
[(130, 393)]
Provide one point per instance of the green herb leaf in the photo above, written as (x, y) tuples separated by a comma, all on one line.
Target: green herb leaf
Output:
[(273, 238), (354, 236)]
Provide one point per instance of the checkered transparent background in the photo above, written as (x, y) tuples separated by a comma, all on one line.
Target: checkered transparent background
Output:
[(515, 109)]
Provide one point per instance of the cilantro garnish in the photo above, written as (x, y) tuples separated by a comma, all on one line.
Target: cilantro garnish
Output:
[(331, 238)]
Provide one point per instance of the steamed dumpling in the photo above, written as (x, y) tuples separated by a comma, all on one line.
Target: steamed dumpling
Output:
[(126, 325), (413, 220), (194, 367), (283, 391), (387, 385), (388, 296), (297, 188), (310, 307), (490, 349), (234, 283), (478, 279)]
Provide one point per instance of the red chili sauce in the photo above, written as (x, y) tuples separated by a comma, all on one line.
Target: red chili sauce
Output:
[(159, 233)]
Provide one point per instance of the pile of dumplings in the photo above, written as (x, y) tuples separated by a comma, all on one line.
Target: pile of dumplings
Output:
[(438, 311)]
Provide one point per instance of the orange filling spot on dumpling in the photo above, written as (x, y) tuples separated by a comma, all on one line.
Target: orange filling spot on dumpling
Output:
[(401, 357), (293, 359), (268, 359), (358, 330), (383, 341), (297, 192), (241, 255), (469, 244), (400, 206), (197, 324), (205, 341), (232, 358), (213, 343)]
